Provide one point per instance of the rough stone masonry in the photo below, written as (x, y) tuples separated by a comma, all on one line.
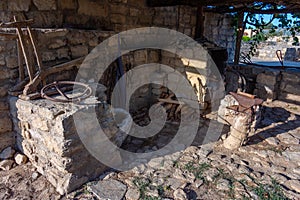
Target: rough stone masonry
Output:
[(49, 138)]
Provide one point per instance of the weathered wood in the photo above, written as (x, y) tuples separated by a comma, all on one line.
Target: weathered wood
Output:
[(34, 45), (239, 37), (200, 23), (16, 23), (20, 62), (32, 86), (229, 9), (25, 52)]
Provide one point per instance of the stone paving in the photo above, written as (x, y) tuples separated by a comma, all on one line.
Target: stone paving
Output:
[(266, 167)]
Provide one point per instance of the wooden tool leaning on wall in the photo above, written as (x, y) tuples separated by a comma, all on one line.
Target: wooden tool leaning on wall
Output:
[(27, 87)]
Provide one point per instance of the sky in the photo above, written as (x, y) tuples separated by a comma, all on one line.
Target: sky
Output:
[(276, 21)]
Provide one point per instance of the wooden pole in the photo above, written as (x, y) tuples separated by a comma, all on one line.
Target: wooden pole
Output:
[(200, 23), (239, 37)]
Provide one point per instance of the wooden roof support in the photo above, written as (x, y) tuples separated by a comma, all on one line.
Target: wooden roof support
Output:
[(239, 37), (200, 23)]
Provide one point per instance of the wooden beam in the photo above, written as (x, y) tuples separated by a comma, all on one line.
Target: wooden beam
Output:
[(239, 37), (165, 3), (200, 23), (251, 10)]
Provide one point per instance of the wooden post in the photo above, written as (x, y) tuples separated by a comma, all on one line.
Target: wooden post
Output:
[(200, 23), (239, 37)]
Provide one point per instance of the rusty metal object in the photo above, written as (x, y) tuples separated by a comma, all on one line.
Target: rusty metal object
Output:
[(246, 101), (47, 93), (280, 57), (28, 52)]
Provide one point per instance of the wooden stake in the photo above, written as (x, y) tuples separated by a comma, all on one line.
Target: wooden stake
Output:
[(239, 37)]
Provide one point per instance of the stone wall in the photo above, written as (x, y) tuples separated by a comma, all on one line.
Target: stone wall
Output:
[(267, 51), (116, 15), (50, 139), (267, 83), (68, 29), (219, 29), (56, 46)]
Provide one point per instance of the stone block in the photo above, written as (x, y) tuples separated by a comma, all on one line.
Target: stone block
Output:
[(48, 56), (3, 91), (46, 19), (19, 5), (45, 4), (290, 87), (63, 53), (11, 62), (134, 12), (5, 122), (265, 79), (68, 4), (137, 3), (118, 18), (57, 43), (92, 8), (57, 151), (119, 9), (291, 76), (3, 105), (7, 139), (78, 51)]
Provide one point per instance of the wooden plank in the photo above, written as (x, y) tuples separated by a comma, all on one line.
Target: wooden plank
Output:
[(25, 52), (34, 45), (20, 62), (200, 23), (16, 23)]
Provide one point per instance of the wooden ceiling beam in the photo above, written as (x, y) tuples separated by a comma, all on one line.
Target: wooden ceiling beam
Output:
[(255, 11), (164, 3)]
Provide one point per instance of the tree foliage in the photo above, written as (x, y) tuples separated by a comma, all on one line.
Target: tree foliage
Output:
[(259, 24)]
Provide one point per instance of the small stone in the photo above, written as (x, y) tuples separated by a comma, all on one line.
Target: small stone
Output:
[(20, 158), (7, 153), (174, 183), (108, 189), (6, 164), (179, 194), (281, 179), (198, 183), (34, 175), (288, 139), (132, 194), (272, 141), (294, 185), (223, 184)]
